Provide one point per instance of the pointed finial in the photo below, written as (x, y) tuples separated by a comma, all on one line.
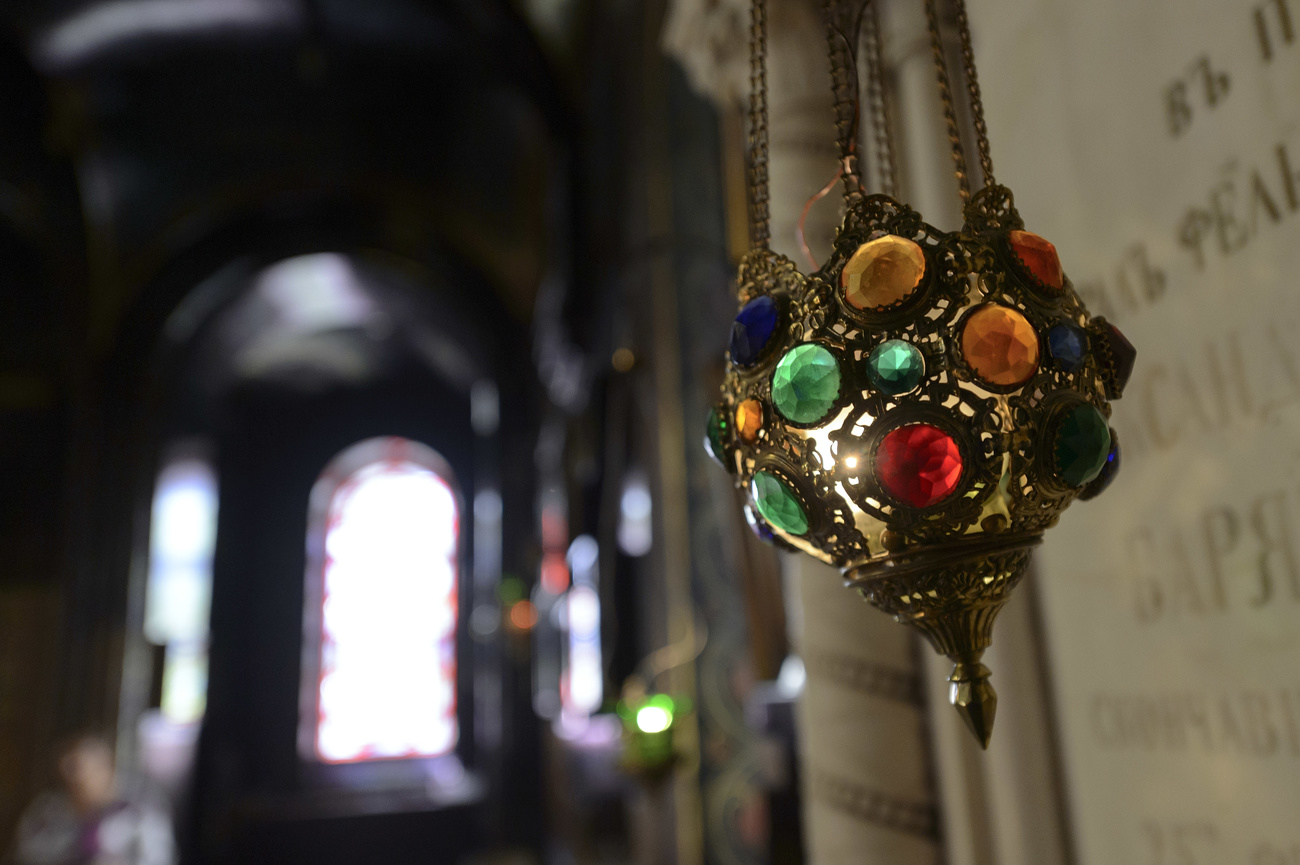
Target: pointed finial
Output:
[(973, 697)]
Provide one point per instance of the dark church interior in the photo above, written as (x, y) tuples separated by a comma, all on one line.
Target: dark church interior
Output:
[(241, 237), (605, 432)]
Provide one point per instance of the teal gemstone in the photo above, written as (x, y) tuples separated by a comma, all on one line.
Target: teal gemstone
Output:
[(1082, 445), (777, 503), (895, 366), (806, 383), (714, 436)]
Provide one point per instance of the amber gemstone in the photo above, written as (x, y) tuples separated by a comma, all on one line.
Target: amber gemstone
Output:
[(749, 419), (882, 272), (1000, 345), (918, 464), (1038, 256)]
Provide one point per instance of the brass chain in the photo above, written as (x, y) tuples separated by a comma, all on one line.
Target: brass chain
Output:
[(844, 87), (880, 119), (848, 31), (844, 79), (760, 227), (945, 95), (973, 89)]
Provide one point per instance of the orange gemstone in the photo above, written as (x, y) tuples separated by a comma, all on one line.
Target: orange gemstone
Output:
[(882, 272), (1000, 345), (1039, 257), (749, 419)]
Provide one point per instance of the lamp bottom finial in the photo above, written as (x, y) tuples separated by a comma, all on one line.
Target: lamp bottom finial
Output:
[(973, 697), (953, 597)]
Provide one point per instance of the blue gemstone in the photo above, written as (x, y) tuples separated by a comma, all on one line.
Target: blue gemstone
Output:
[(752, 330), (1108, 471), (1068, 345)]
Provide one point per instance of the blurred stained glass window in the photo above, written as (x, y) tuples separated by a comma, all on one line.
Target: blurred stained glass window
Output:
[(386, 525)]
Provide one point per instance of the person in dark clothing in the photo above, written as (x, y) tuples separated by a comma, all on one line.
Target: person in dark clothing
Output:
[(89, 822)]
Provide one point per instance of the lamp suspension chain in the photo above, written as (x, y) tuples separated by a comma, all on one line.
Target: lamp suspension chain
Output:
[(927, 476), (760, 228), (849, 39), (879, 106), (975, 102), (973, 89), (945, 95), (844, 87)]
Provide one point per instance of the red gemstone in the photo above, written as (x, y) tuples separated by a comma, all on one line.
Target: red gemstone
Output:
[(1120, 356), (918, 464), (1039, 257)]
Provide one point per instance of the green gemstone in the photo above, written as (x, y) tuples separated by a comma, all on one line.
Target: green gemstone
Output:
[(777, 503), (714, 435), (895, 367), (806, 383), (1082, 443)]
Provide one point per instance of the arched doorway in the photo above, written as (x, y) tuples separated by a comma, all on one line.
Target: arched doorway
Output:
[(323, 385)]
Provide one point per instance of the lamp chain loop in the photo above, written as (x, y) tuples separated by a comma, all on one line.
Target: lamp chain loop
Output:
[(851, 26), (842, 47), (945, 95), (973, 88), (880, 119), (760, 228), (844, 86)]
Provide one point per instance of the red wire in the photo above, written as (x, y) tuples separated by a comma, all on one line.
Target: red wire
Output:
[(803, 217)]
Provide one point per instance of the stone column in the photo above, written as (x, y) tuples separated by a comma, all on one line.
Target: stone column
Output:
[(867, 794), (863, 742)]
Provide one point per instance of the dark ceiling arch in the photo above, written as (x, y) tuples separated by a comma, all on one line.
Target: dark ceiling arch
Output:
[(282, 229), (488, 36)]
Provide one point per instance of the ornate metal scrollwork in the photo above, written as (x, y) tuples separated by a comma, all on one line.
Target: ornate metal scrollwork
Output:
[(928, 490)]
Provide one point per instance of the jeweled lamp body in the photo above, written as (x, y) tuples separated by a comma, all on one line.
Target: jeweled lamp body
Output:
[(930, 403)]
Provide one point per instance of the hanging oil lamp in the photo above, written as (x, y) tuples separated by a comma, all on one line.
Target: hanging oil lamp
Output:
[(923, 407)]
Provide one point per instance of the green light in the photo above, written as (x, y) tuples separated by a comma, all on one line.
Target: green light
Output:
[(511, 590), (652, 713), (656, 714), (652, 719)]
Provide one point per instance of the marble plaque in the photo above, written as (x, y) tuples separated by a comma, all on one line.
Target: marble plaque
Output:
[(1158, 145)]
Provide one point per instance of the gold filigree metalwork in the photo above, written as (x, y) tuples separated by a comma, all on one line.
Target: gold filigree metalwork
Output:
[(946, 568), (1015, 449)]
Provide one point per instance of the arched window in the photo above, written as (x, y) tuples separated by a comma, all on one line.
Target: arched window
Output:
[(182, 538), (383, 567)]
